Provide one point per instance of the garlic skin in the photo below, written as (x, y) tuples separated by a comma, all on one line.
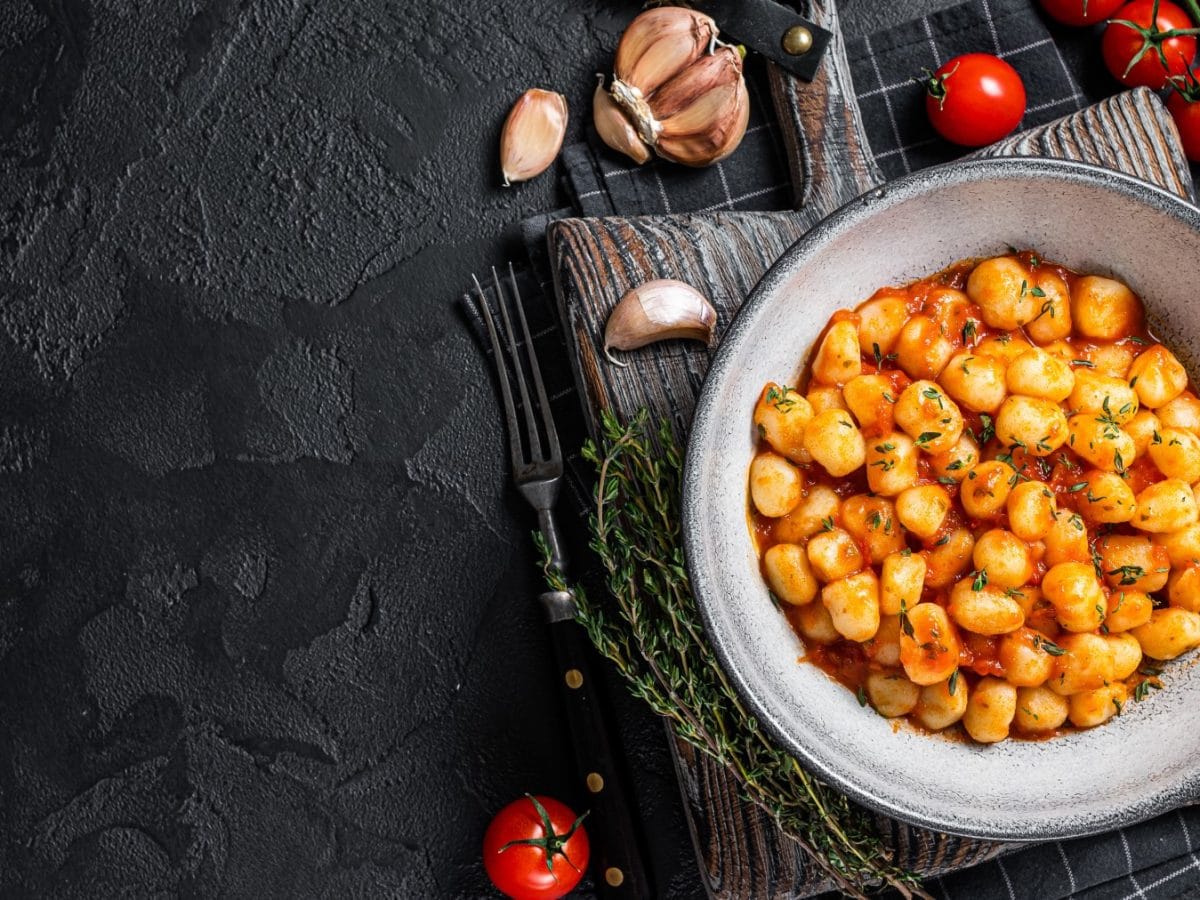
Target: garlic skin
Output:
[(532, 135), (658, 311), (680, 89)]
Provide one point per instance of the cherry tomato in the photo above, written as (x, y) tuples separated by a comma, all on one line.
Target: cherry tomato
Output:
[(975, 99), (1186, 113), (1121, 44), (1080, 12), (535, 849)]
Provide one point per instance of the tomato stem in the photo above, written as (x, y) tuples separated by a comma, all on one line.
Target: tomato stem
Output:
[(1153, 38), (1186, 85), (551, 842), (935, 85)]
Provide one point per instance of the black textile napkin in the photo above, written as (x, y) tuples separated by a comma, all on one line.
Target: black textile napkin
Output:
[(1155, 860), (893, 103)]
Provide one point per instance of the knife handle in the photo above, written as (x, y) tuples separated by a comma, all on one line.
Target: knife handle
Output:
[(617, 859)]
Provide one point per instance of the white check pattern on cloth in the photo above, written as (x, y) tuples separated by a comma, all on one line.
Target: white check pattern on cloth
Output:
[(886, 66), (1155, 860)]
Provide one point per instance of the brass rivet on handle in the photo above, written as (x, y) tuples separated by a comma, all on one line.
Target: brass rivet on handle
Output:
[(595, 782), (797, 40), (614, 876), (574, 679)]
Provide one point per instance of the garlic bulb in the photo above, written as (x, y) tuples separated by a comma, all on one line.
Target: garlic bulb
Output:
[(532, 135), (679, 89), (657, 311)]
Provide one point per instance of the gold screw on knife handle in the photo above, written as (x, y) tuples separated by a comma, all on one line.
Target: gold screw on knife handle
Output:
[(797, 40)]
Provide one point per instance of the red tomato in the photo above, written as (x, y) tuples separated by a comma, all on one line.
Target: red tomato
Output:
[(1121, 44), (975, 99), (1080, 12), (535, 849), (1186, 113)]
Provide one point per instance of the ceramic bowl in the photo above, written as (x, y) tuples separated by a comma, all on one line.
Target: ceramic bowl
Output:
[(1141, 763)]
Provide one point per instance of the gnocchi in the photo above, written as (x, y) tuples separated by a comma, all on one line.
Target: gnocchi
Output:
[(839, 357), (975, 382), (923, 349), (1104, 308), (929, 416), (1158, 376), (1031, 507), (979, 507), (835, 442), (1036, 373), (891, 463), (781, 416)]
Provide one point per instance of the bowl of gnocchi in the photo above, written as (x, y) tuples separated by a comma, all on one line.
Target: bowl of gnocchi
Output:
[(941, 500)]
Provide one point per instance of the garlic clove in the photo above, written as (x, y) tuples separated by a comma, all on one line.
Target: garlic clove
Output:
[(532, 135), (659, 43), (722, 68), (657, 311), (614, 127), (706, 148), (737, 129), (710, 111)]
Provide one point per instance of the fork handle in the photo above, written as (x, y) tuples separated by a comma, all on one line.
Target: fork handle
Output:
[(558, 556), (620, 871)]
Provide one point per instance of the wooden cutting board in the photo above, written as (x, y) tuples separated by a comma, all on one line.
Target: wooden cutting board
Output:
[(596, 261)]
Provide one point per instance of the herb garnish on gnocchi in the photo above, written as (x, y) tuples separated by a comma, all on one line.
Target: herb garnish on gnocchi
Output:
[(981, 507)]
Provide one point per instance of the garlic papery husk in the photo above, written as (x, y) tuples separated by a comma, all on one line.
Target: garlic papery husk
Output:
[(661, 42), (614, 127), (532, 135), (657, 311), (680, 88)]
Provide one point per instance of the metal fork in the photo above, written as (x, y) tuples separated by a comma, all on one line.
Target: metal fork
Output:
[(537, 466)]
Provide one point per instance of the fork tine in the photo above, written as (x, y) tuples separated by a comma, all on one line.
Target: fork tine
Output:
[(535, 444), (536, 370), (510, 413)]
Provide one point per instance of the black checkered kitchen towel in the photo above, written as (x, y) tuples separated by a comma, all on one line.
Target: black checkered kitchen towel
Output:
[(883, 66), (1152, 861)]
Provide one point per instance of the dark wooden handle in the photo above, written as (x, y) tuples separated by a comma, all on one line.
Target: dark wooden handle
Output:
[(822, 127), (616, 852)]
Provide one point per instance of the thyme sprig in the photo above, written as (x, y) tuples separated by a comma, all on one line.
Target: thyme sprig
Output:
[(651, 632)]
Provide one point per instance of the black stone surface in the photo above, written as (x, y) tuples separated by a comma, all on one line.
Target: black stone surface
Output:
[(266, 616)]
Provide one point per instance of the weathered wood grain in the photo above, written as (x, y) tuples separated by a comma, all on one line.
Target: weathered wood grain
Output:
[(828, 152), (597, 260), (1132, 132)]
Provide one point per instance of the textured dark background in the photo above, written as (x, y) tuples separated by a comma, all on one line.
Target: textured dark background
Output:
[(266, 625)]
